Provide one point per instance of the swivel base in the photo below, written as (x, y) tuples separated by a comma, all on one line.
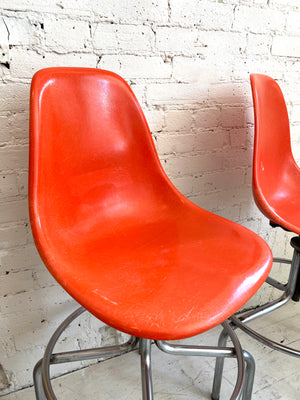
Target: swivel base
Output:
[(245, 375)]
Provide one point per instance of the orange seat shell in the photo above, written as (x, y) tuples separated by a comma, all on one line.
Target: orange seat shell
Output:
[(111, 227), (276, 176)]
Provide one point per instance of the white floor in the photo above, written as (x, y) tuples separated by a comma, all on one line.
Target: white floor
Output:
[(189, 378)]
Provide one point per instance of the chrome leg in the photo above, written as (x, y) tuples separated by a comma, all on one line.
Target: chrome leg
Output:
[(219, 367), (48, 352), (145, 349), (42, 382), (37, 379), (220, 352), (249, 375)]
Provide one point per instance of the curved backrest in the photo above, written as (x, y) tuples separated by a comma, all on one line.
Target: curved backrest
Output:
[(92, 157), (273, 159)]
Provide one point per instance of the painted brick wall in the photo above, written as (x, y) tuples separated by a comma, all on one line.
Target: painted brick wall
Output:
[(188, 63)]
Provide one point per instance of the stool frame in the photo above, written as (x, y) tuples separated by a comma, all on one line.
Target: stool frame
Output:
[(245, 362), (288, 289)]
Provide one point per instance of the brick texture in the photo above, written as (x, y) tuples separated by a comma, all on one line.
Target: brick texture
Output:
[(188, 64)]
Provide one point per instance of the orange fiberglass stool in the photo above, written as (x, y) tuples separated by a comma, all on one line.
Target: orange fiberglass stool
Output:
[(119, 237), (276, 190)]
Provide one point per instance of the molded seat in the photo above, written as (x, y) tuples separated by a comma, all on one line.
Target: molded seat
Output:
[(111, 227), (276, 176), (276, 190), (119, 237)]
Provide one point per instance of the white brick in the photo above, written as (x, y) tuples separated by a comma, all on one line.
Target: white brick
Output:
[(258, 44), (4, 65), (178, 120), (191, 165), (210, 140), (8, 185), (167, 144), (24, 65), (132, 10), (171, 93), (16, 282), (21, 31), (258, 20), (208, 201), (14, 211), (130, 66), (287, 3), (63, 6), (35, 334), (155, 119), (5, 134), (250, 209), (232, 213), (8, 349), (66, 35), (13, 157), (14, 126), (225, 46), (234, 197), (221, 180), (261, 2), (296, 113), (127, 38), (203, 13), (296, 152), (249, 113), (233, 117), (248, 176), (177, 40), (251, 224), (194, 70), (12, 236), (238, 137), (42, 277), (36, 300), (19, 125), (14, 97), (3, 36), (235, 158), (288, 46), (22, 180), (242, 68), (293, 22), (207, 118), (183, 184), (18, 258), (233, 93), (139, 91), (18, 367)]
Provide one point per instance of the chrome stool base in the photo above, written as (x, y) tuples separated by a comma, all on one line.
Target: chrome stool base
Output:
[(289, 291), (245, 376)]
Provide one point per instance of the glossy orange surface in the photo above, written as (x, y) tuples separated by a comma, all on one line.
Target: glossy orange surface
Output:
[(276, 176), (111, 227)]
